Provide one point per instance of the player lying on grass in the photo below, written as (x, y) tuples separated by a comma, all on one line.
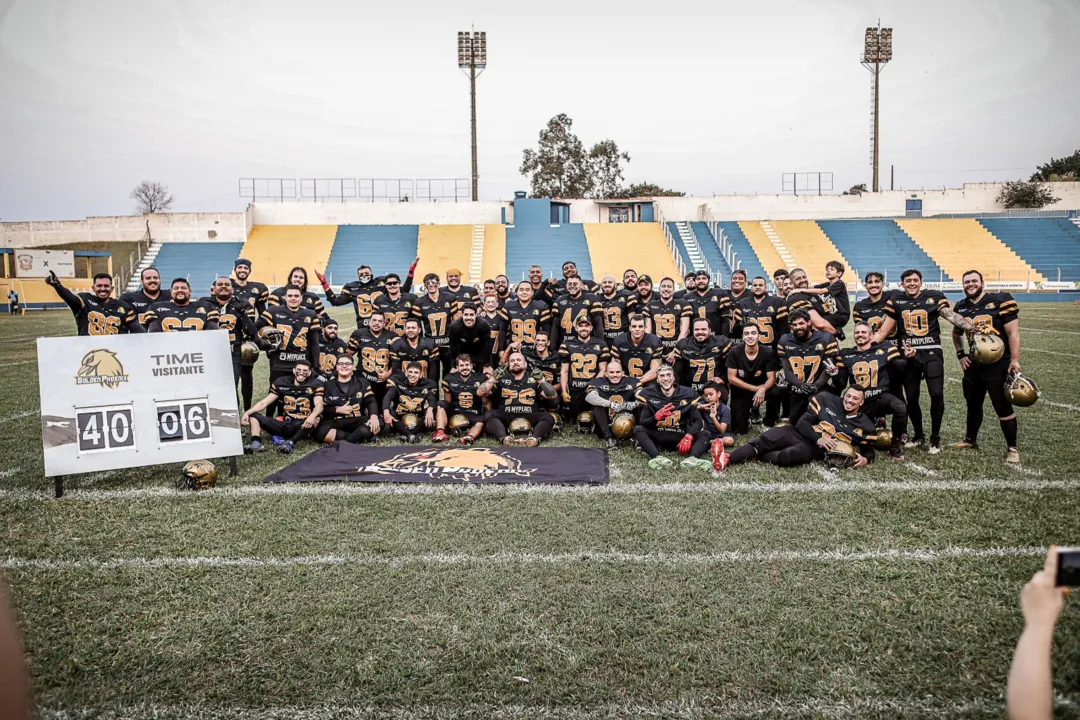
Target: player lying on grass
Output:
[(669, 418), (302, 404)]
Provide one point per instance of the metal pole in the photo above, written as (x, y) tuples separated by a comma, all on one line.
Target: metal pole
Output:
[(877, 97), (472, 97), (892, 177)]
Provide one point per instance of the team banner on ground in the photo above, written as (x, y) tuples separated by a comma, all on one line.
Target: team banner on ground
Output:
[(453, 464)]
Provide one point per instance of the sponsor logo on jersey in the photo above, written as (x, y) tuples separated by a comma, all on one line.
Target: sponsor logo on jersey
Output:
[(101, 367)]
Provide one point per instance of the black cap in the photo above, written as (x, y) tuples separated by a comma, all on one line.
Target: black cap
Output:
[(241, 261)]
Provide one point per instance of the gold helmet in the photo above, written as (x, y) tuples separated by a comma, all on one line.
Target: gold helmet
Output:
[(557, 427), (271, 337), (249, 353), (585, 422), (986, 349), (1022, 391), (520, 427), (410, 421), (622, 426), (841, 456), (197, 475), (459, 424), (884, 439)]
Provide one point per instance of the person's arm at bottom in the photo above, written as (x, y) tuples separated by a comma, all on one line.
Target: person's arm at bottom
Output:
[(1029, 693)]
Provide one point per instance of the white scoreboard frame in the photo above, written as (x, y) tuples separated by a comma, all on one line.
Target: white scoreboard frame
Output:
[(120, 401)]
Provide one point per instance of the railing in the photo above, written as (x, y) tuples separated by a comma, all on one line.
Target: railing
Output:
[(726, 249), (673, 248)]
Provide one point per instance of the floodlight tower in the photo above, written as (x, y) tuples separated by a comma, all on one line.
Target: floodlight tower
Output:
[(876, 53), (472, 57)]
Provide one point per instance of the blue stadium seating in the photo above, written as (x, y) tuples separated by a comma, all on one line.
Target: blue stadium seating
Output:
[(710, 248), (879, 245), (548, 247), (680, 246), (386, 248), (201, 263), (745, 256), (1046, 244)]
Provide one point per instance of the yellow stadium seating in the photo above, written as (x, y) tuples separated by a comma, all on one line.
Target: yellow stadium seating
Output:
[(441, 247), (614, 247), (810, 246), (494, 252), (963, 244), (755, 235), (275, 249)]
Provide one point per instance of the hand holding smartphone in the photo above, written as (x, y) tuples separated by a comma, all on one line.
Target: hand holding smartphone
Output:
[(1068, 568)]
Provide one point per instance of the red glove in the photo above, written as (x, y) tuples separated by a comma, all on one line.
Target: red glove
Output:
[(664, 413), (685, 444), (322, 279), (412, 268)]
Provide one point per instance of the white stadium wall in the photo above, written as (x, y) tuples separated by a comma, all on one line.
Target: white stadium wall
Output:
[(376, 213), (164, 227)]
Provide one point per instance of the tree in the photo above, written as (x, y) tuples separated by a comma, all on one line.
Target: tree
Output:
[(1063, 169), (151, 197), (647, 189), (855, 189), (559, 167), (605, 163), (1030, 195)]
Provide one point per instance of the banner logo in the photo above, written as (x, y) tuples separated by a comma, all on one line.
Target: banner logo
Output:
[(25, 262), (464, 464), (101, 367)]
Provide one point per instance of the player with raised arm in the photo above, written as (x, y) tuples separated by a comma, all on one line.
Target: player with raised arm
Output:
[(362, 291), (668, 418), (181, 313), (97, 313), (301, 398)]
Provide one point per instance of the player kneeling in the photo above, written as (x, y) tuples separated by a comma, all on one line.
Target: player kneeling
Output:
[(461, 409), (302, 402), (832, 429), (669, 418), (410, 401), (515, 395), (613, 404), (352, 412)]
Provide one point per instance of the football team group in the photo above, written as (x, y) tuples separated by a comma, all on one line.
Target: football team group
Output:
[(686, 370)]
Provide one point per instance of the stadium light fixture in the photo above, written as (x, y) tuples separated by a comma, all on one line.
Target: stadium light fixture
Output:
[(472, 58), (877, 51)]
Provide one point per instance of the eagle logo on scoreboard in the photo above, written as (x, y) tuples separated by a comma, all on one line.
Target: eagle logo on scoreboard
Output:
[(455, 464), (101, 367)]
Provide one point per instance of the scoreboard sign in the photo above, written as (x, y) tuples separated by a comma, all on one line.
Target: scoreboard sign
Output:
[(119, 401)]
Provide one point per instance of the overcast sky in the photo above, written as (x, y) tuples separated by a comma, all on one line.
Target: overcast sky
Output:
[(711, 96)]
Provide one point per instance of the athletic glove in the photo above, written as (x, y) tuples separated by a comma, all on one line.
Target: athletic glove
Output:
[(412, 268), (616, 407), (664, 413), (538, 375), (499, 374), (685, 444), (806, 388), (52, 280), (322, 279)]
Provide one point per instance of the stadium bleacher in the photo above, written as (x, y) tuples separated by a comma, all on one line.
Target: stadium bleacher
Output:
[(710, 248), (201, 263), (759, 244), (810, 246), (441, 247), (385, 248), (548, 247), (745, 257), (684, 254), (961, 244), (611, 244), (879, 245), (275, 249), (494, 262), (1050, 245)]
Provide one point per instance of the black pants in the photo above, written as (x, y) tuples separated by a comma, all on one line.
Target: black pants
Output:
[(603, 422), (743, 400), (498, 421), (578, 405), (650, 441), (287, 428), (927, 365), (451, 411), (346, 429), (399, 426), (884, 404), (783, 446), (797, 405), (980, 381)]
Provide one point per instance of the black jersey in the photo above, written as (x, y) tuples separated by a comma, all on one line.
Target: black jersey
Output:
[(401, 397), (238, 318), (826, 415), (251, 293), (100, 317), (712, 305), (617, 311), (559, 288), (620, 392), (462, 392), (300, 332), (191, 316), (549, 364), (836, 303), (917, 318), (424, 353), (667, 320), (730, 319), (526, 321), (698, 363), (297, 401), (372, 352), (872, 312), (436, 316), (566, 311), (329, 352), (869, 369), (807, 358), (769, 315), (361, 295), (396, 312), (474, 341), (308, 300), (684, 416), (584, 360), (990, 313), (463, 294), (140, 302), (798, 300), (356, 394), (516, 397), (636, 358), (499, 325), (756, 371)]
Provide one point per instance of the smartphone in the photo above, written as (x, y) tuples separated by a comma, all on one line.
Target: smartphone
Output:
[(1068, 569)]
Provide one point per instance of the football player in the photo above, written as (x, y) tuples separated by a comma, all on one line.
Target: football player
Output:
[(527, 316), (689, 285), (609, 395), (915, 315), (140, 300), (582, 358), (352, 413), (569, 270), (808, 358), (97, 313), (871, 309), (638, 352), (409, 394), (617, 305), (514, 393), (296, 330), (667, 318), (411, 347), (994, 314), (542, 291), (460, 397), (471, 335), (542, 357), (668, 418), (436, 309), (571, 306), (502, 289), (735, 294), (309, 300), (802, 297), (767, 312), (331, 347), (235, 316), (629, 280), (181, 313), (870, 366), (362, 291), (702, 358), (371, 348), (489, 288), (395, 305), (644, 292), (716, 417), (751, 374), (827, 420), (708, 303), (255, 295), (498, 323), (301, 398), (459, 293)]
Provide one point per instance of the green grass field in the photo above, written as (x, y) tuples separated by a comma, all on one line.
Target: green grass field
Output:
[(885, 592)]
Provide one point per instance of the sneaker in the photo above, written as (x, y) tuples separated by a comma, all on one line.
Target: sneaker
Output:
[(755, 416), (935, 446), (439, 436), (277, 440), (897, 452), (253, 447), (529, 441), (965, 444), (1012, 456), (467, 440), (695, 463), (659, 463), (612, 442), (914, 442), (412, 439), (720, 458), (286, 447)]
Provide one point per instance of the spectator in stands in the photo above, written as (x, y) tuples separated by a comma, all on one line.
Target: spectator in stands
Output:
[(1029, 693)]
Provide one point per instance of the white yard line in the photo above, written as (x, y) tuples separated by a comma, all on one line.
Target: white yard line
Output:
[(18, 362), (1048, 352), (1046, 330), (921, 470), (1032, 472), (18, 416), (524, 558), (8, 473)]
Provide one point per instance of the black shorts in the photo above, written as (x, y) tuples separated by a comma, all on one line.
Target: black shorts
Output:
[(342, 426), (285, 428), (928, 364)]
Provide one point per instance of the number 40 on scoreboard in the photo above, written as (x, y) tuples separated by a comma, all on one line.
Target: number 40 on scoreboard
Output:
[(110, 427)]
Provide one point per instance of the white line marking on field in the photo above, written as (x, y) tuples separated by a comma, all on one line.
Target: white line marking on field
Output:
[(18, 416), (523, 558), (1025, 470), (922, 470), (827, 474), (8, 473), (1045, 330), (1048, 352), (703, 488), (19, 362)]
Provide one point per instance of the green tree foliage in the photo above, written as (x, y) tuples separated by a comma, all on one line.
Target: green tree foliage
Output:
[(1028, 195), (605, 162), (1062, 169), (647, 189), (855, 189), (559, 167)]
